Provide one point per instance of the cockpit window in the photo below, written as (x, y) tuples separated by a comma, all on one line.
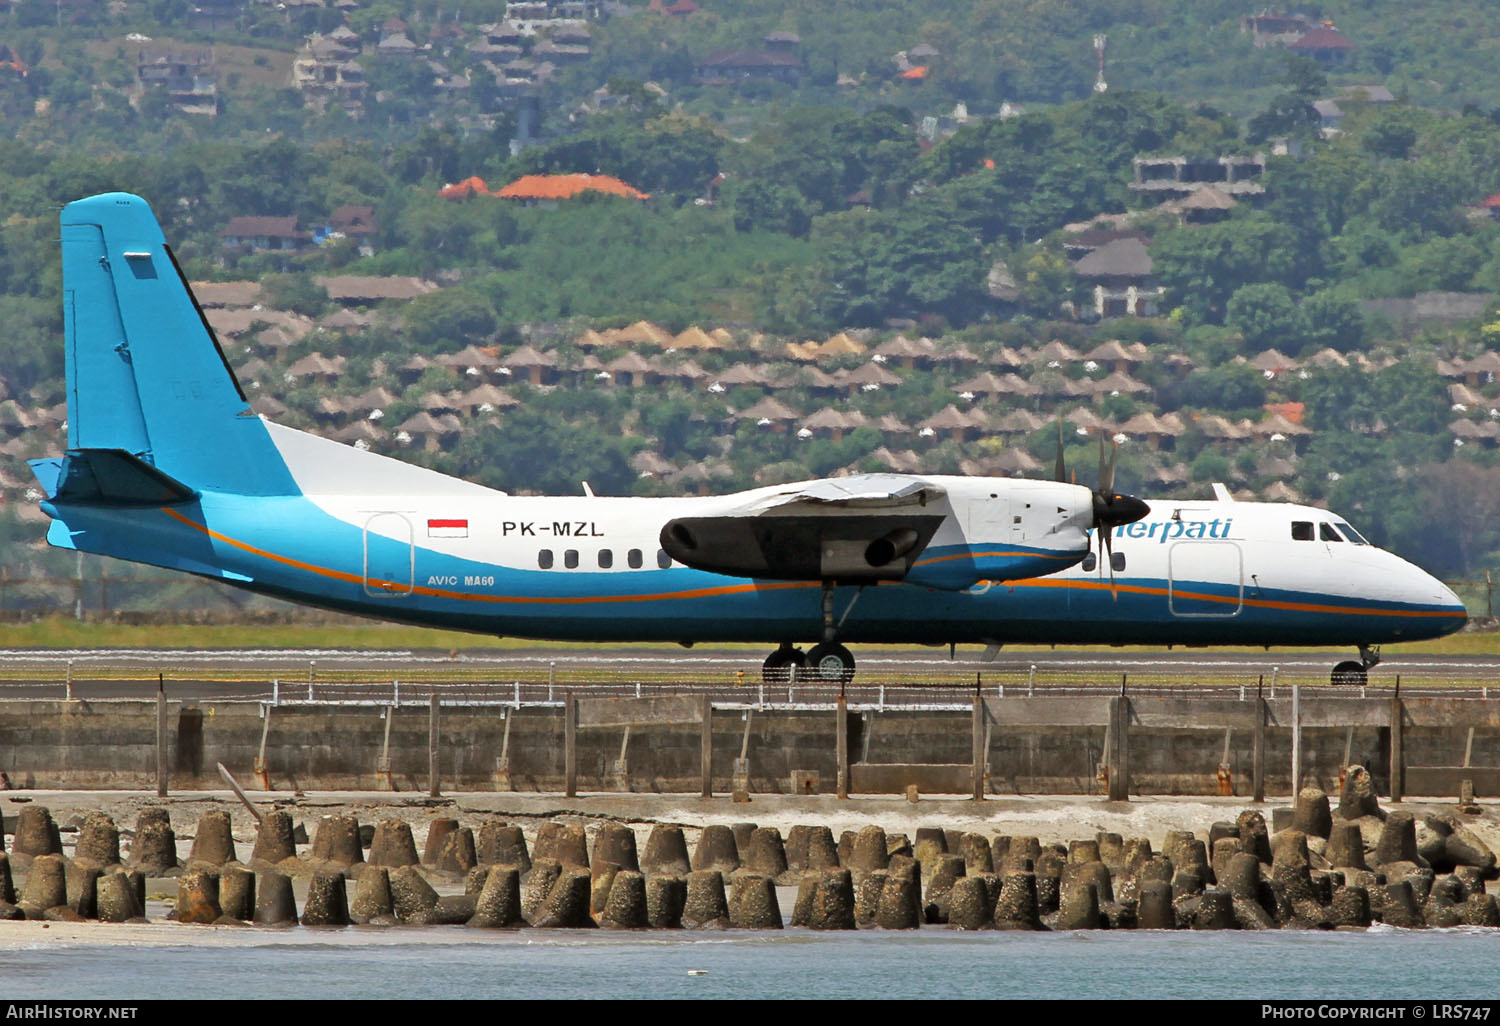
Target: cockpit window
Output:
[(1302, 530), (1328, 534), (1351, 533)]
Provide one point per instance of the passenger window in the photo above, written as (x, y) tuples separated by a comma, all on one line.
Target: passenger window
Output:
[(544, 559), (1302, 530), (633, 557), (662, 559), (1089, 562), (570, 559), (1117, 561), (1328, 534), (606, 558)]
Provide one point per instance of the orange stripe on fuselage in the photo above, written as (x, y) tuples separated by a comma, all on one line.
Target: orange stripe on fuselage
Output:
[(1298, 607), (393, 586)]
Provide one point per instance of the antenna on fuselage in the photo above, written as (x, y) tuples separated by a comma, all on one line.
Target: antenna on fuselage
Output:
[(1221, 493), (587, 490)]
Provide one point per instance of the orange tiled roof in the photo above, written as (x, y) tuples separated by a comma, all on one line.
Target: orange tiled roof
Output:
[(920, 71), (566, 186), (1291, 411), (472, 186)]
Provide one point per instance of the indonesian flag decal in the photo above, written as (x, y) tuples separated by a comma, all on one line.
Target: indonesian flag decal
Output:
[(447, 528)]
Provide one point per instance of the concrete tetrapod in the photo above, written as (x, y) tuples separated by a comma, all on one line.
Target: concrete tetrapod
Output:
[(153, 850), (393, 846), (1346, 846), (500, 844), (1398, 841), (336, 841), (457, 854), (626, 908), (46, 885), (274, 842), (1357, 796), (765, 855), (372, 895), (412, 897), (1350, 907), (499, 903), (901, 899), (327, 901), (869, 851), (949, 868), (36, 834), (601, 878), (438, 830), (716, 850), (198, 897), (236, 892), (274, 905), (1310, 813), (706, 907), (538, 884), (567, 904), (968, 904), (666, 852), (7, 882), (1154, 908), (1254, 837), (665, 898), (753, 905), (117, 898), (1215, 910), (1016, 908), (213, 843), (82, 882), (615, 843), (811, 848), (825, 900), (867, 891), (564, 843)]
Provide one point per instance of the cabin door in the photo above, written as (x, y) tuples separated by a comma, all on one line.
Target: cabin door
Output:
[(1205, 578), (389, 557)]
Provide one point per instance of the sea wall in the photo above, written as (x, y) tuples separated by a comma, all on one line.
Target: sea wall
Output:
[(1039, 745)]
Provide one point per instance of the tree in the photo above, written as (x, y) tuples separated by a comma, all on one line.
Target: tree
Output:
[(296, 292), (1202, 267), (1266, 315), (448, 318)]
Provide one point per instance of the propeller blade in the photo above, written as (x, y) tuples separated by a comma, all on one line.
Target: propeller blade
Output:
[(1061, 469), (1108, 547)]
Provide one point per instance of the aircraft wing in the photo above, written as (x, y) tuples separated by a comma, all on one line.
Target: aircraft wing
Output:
[(865, 528)]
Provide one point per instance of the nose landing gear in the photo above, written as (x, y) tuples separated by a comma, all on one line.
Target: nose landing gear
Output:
[(1349, 672)]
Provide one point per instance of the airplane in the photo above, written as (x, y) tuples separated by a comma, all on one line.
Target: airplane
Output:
[(167, 465)]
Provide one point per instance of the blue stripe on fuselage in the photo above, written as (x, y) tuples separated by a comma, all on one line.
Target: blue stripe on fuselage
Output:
[(320, 559)]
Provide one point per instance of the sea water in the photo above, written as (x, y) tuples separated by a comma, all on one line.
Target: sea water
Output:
[(427, 963)]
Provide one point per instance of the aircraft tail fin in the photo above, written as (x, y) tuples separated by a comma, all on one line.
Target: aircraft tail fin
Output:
[(153, 405)]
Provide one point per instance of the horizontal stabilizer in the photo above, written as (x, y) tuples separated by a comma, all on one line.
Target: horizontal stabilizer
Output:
[(108, 477)]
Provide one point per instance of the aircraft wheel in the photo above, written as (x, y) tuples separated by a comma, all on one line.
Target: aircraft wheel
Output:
[(829, 663), (781, 665), (1349, 673)]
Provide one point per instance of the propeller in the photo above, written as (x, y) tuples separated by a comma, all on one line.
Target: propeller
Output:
[(1111, 509)]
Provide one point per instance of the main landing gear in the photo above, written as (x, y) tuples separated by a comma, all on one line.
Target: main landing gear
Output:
[(1356, 673), (827, 662)]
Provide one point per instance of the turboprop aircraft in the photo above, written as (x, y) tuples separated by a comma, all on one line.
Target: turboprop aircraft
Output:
[(167, 465)]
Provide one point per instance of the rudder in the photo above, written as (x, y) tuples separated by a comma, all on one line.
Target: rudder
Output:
[(145, 373)]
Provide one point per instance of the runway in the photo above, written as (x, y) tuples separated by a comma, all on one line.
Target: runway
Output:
[(544, 673)]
